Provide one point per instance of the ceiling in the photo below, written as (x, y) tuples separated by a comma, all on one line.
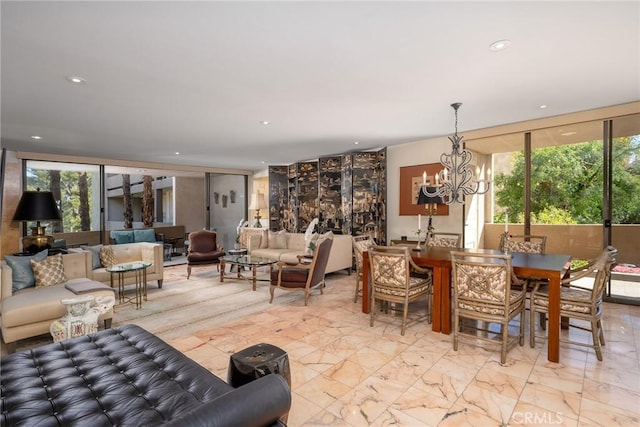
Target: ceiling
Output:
[(198, 78)]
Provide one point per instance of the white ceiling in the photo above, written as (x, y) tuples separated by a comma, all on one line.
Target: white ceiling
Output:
[(199, 77)]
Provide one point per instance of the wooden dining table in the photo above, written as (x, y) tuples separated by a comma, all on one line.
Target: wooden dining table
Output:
[(552, 267)]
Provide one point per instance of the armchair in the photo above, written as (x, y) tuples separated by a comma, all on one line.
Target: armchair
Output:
[(360, 244), (301, 276), (203, 249)]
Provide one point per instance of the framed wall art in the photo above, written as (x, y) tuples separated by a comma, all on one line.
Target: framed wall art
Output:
[(411, 179)]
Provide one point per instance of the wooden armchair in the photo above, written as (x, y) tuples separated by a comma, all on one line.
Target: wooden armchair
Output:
[(360, 245), (302, 276), (203, 249)]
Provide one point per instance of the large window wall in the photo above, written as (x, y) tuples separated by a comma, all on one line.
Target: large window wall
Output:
[(559, 181)]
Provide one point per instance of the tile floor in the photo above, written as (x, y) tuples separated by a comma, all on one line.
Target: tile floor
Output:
[(346, 373)]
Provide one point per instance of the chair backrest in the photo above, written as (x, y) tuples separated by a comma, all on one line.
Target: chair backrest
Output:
[(320, 259), (446, 240), (525, 244), (203, 241), (390, 268), (360, 244), (481, 282)]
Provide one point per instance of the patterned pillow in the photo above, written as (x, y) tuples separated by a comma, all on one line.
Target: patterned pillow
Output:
[(21, 272), (49, 272), (107, 256)]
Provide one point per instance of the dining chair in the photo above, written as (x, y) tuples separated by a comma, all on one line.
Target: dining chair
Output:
[(445, 240), (482, 292), (524, 243), (360, 245), (578, 300), (391, 281), (303, 276)]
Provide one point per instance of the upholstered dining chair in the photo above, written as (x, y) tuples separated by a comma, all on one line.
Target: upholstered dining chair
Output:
[(446, 240), (482, 292), (391, 280), (524, 243), (303, 276), (203, 249), (360, 245), (578, 300)]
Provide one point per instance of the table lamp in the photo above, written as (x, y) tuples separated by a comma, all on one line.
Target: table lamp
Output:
[(257, 202), (37, 206)]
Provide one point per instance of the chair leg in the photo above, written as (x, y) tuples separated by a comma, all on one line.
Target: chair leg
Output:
[(372, 309), (188, 271), (405, 312), (505, 343), (355, 297), (522, 322), (306, 296), (532, 325), (271, 289), (596, 339), (600, 332), (456, 328)]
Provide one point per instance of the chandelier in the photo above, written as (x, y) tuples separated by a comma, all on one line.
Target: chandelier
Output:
[(457, 179)]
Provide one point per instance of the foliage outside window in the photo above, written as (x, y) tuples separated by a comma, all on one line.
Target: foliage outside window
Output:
[(567, 184), (73, 187)]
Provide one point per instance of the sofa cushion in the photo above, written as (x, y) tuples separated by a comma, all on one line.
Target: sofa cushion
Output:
[(122, 236), (95, 255), (49, 271), (277, 239), (107, 256), (35, 305), (144, 235), (21, 271)]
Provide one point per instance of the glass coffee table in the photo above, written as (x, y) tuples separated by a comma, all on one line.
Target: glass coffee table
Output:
[(247, 261), (139, 270)]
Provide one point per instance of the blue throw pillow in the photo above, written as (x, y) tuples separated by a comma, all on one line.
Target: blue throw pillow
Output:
[(95, 255), (121, 237), (145, 235), (21, 272)]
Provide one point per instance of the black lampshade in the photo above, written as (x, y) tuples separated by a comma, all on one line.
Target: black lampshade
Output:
[(37, 206), (424, 199)]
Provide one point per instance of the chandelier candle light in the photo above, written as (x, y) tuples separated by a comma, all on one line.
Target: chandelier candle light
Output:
[(457, 179)]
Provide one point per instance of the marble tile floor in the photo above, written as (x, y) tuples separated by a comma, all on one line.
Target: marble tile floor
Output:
[(346, 373)]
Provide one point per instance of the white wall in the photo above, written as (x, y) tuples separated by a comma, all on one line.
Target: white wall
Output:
[(416, 153)]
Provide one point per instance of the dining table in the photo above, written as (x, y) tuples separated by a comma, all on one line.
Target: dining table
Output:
[(552, 267)]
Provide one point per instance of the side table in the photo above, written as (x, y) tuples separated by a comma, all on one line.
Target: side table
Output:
[(81, 318), (139, 270)]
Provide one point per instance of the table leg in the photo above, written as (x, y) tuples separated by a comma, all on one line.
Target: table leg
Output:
[(553, 344), (436, 316), (365, 282), (253, 269)]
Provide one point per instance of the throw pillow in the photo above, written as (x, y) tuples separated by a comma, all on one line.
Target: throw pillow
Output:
[(277, 239), (49, 271), (107, 256), (264, 241), (21, 272), (120, 237), (95, 255), (145, 235)]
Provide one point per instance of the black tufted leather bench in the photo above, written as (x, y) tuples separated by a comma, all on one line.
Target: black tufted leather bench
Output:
[(127, 376)]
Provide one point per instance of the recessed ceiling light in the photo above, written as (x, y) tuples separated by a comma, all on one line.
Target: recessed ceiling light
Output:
[(177, 153), (543, 106), (262, 162), (76, 80), (357, 142), (499, 45), (265, 122), (36, 137)]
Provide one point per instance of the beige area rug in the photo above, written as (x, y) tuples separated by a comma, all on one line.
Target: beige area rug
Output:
[(183, 307)]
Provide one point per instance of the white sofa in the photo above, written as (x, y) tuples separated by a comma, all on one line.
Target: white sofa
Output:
[(127, 252), (340, 257), (29, 312)]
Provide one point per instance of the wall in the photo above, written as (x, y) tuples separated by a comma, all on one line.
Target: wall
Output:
[(226, 219), (416, 153), (189, 195)]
